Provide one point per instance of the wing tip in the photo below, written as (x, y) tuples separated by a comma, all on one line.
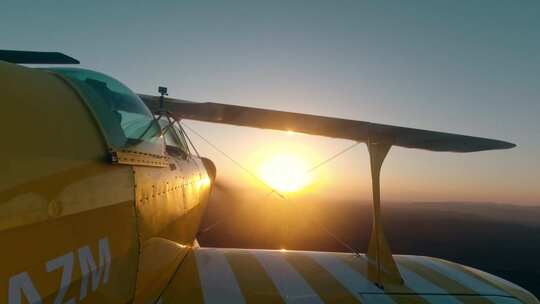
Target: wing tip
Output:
[(34, 57), (507, 145)]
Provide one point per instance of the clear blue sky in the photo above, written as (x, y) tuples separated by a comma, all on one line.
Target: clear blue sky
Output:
[(469, 67)]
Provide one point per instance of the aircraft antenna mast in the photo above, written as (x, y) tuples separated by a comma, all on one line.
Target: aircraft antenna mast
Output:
[(163, 92)]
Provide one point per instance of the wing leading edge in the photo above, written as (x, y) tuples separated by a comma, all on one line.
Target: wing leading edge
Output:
[(361, 131)]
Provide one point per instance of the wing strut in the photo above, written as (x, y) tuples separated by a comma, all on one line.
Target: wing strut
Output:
[(382, 268)]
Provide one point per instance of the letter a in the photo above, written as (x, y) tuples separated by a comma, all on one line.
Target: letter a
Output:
[(22, 284)]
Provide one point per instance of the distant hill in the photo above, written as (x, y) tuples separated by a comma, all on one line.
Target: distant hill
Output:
[(524, 215), (497, 238)]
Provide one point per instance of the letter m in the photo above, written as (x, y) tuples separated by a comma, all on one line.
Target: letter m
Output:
[(88, 266)]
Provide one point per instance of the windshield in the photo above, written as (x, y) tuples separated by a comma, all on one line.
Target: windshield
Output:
[(122, 114)]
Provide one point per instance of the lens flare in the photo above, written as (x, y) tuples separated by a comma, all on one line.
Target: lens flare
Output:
[(285, 173)]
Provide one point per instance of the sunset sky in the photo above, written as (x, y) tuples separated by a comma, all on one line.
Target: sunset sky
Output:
[(470, 67)]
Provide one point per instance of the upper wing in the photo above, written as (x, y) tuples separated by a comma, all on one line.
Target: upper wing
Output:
[(30, 57), (216, 275), (325, 126)]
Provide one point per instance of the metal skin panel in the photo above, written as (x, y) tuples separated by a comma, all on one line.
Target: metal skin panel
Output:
[(67, 218), (128, 157), (213, 275), (170, 204)]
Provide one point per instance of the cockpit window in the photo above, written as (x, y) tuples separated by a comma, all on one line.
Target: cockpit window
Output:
[(124, 117)]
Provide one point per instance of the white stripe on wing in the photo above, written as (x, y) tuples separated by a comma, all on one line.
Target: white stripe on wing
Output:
[(460, 276), (291, 285), (218, 282), (423, 287), (351, 279)]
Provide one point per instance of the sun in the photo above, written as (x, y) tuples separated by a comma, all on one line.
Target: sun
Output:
[(285, 173)]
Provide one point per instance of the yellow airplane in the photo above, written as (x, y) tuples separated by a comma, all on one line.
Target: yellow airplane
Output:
[(102, 194)]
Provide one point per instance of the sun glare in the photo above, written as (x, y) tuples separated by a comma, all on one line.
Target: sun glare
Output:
[(285, 173)]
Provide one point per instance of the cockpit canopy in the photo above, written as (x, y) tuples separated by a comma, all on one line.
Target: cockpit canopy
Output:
[(123, 117)]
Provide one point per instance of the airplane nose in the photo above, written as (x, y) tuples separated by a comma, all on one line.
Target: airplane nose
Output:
[(210, 168)]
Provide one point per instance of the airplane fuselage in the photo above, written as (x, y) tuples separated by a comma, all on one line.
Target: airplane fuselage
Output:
[(75, 226)]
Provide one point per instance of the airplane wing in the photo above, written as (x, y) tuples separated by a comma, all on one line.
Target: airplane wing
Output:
[(361, 131), (218, 275), (215, 275), (30, 57)]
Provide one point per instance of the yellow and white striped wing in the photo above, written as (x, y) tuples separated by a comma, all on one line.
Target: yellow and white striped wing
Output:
[(212, 275)]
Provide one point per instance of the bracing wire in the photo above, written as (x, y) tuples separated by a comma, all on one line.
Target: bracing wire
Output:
[(317, 166), (329, 159), (188, 139), (235, 162)]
